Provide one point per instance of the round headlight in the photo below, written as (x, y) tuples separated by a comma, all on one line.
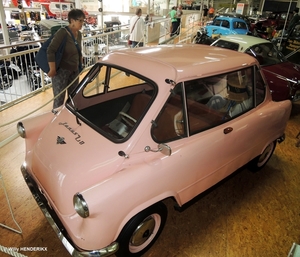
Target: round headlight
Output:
[(80, 205), (21, 129)]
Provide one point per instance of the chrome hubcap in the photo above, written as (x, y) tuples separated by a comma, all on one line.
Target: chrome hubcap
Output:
[(143, 231)]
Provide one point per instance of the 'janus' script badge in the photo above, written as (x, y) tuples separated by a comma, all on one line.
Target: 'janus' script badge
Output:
[(60, 140), (77, 136)]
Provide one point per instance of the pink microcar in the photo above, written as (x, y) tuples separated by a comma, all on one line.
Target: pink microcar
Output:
[(144, 125)]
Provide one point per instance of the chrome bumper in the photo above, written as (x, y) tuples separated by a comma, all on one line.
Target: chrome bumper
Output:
[(57, 225)]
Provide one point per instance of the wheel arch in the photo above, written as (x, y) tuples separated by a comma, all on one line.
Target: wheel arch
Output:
[(142, 206)]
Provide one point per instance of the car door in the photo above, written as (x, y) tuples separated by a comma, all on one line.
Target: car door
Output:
[(225, 28), (203, 126), (187, 171), (214, 28), (239, 27)]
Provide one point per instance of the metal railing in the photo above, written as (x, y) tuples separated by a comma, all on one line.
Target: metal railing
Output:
[(21, 78)]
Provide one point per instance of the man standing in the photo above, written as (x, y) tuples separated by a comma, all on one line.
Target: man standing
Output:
[(178, 15), (211, 12), (174, 21), (137, 29), (205, 11), (294, 20)]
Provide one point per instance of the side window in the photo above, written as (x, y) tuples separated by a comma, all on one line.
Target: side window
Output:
[(239, 25), (260, 91), (240, 92), (170, 123), (217, 22), (219, 99), (206, 103), (225, 24)]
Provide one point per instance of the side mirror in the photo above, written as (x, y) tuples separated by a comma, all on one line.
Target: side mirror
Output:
[(163, 148)]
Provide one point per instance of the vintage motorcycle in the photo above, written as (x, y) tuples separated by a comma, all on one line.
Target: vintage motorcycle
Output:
[(35, 79), (202, 38), (8, 72)]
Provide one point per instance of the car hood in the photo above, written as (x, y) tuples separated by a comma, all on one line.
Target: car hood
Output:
[(285, 69), (69, 158)]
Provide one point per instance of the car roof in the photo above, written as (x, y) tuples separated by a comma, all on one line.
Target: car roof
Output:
[(232, 14), (229, 18), (179, 61), (244, 41)]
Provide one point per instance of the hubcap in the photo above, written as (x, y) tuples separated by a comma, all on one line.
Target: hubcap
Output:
[(143, 231), (265, 155)]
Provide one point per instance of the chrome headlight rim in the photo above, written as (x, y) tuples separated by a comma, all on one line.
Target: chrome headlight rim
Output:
[(80, 205), (21, 130)]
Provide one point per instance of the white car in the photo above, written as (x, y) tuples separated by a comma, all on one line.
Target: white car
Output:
[(283, 76)]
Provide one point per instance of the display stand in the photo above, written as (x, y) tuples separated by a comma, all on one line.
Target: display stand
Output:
[(10, 209)]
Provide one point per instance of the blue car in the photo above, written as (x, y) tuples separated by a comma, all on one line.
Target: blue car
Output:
[(227, 26)]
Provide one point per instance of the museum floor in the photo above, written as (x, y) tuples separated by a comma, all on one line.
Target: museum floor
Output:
[(248, 215)]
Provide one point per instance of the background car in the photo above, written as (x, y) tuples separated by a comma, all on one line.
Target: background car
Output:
[(276, 20), (249, 22), (128, 138), (288, 42), (282, 75), (226, 26)]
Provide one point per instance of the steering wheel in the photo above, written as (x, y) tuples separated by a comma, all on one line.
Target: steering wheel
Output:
[(128, 119), (179, 124)]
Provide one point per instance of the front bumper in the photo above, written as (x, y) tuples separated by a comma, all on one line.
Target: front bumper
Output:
[(58, 226)]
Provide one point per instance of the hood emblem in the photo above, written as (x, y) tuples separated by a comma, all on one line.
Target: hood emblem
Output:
[(60, 140)]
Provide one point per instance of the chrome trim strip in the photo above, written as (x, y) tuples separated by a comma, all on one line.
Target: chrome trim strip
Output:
[(57, 225)]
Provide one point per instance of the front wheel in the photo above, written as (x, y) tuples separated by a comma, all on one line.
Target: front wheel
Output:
[(141, 231), (195, 40), (260, 161)]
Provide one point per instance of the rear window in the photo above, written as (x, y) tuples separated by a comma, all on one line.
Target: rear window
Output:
[(227, 45)]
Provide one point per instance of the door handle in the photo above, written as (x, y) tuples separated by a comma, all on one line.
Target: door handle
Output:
[(227, 130)]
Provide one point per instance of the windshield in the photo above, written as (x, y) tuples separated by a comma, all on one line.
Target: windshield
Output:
[(266, 54), (112, 100)]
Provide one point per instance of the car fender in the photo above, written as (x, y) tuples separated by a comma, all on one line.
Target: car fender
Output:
[(283, 112), (34, 126), (112, 203)]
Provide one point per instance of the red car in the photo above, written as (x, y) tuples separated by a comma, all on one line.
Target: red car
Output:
[(275, 20), (282, 75)]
